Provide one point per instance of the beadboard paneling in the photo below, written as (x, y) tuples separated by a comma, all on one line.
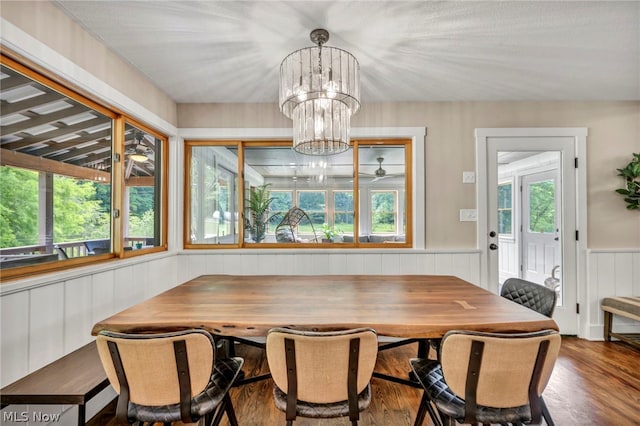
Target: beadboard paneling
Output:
[(611, 273), (46, 325), (15, 336), (48, 319), (464, 264)]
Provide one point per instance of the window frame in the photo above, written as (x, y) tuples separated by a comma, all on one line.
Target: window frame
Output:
[(355, 144), (118, 119), (164, 193)]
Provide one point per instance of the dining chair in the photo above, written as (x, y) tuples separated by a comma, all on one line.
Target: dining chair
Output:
[(169, 377), (488, 378), (526, 293), (322, 374), (534, 296)]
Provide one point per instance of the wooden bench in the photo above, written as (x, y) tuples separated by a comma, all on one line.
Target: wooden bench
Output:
[(628, 307), (71, 380)]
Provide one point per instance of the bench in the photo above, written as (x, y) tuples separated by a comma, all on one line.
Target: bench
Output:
[(71, 380), (628, 307)]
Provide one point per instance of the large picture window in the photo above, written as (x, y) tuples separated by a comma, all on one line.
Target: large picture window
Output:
[(356, 198), (62, 163)]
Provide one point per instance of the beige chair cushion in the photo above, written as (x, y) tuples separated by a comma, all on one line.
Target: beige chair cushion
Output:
[(507, 365), (322, 361), (143, 356)]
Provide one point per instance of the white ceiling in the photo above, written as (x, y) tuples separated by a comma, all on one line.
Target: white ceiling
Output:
[(230, 51)]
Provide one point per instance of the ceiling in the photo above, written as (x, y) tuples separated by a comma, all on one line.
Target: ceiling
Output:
[(41, 128), (230, 51)]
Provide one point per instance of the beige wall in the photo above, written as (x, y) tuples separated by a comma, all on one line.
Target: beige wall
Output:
[(614, 133), (51, 26)]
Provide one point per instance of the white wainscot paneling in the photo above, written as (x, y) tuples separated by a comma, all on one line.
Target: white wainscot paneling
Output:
[(464, 264), (78, 318), (127, 291), (161, 275), (15, 336), (611, 273), (102, 287), (46, 325)]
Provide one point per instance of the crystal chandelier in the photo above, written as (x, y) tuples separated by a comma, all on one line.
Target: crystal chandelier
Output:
[(319, 91)]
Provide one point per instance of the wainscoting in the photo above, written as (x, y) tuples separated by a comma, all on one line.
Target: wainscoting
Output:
[(462, 263), (44, 320), (611, 273)]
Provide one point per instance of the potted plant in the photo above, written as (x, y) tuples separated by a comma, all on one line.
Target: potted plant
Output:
[(257, 208), (328, 233), (631, 174)]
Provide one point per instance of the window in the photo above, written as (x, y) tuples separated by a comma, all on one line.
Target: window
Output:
[(144, 183), (505, 209), (282, 202), (213, 196), (542, 207), (314, 203), (383, 212), (60, 185), (343, 211), (355, 198)]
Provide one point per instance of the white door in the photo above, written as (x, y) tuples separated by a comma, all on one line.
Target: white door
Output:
[(540, 229), (566, 311)]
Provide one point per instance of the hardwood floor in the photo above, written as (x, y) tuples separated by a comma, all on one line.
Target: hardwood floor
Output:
[(593, 383)]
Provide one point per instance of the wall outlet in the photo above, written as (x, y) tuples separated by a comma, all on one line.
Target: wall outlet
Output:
[(468, 215), (468, 177)]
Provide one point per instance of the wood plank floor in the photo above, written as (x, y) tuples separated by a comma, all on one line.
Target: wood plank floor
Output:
[(594, 383)]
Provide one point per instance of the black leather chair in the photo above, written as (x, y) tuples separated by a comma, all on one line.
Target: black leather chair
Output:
[(534, 296), (169, 377), (487, 378)]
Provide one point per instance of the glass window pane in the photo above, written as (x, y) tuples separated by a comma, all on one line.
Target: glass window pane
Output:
[(314, 204), (343, 211), (143, 189), (505, 195), (56, 207), (382, 185), (383, 212), (214, 195), (282, 202), (542, 207)]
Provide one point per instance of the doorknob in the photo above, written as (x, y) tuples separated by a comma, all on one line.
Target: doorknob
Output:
[(493, 246)]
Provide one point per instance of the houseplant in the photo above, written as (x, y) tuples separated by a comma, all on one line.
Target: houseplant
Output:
[(328, 233), (257, 212), (631, 191)]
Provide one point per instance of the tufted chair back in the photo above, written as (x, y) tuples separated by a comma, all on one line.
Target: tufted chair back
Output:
[(531, 295)]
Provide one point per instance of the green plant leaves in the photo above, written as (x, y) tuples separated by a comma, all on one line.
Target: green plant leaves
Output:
[(631, 175)]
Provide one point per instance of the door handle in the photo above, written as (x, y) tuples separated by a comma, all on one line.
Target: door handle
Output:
[(493, 246)]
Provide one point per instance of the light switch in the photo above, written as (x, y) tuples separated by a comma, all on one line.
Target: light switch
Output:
[(468, 215), (468, 177)]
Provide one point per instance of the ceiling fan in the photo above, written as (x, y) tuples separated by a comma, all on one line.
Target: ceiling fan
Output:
[(380, 173), (139, 152)]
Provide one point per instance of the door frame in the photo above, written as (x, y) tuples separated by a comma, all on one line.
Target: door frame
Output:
[(579, 135)]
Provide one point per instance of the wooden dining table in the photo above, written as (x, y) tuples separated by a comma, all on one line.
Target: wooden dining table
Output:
[(401, 306)]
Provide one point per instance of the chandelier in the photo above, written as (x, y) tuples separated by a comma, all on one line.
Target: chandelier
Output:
[(319, 91)]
